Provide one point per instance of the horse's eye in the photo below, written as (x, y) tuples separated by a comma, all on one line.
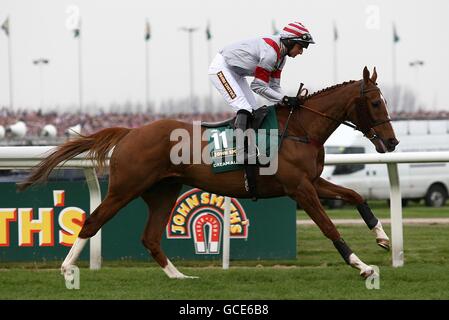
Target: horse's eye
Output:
[(376, 104)]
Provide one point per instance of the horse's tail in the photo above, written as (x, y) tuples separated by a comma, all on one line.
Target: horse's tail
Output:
[(97, 145)]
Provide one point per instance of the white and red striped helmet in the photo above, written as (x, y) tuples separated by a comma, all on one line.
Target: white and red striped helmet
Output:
[(297, 32)]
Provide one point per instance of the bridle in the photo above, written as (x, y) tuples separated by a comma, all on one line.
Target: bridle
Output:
[(363, 115)]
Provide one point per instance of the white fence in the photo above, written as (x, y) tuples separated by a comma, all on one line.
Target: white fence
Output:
[(27, 157)]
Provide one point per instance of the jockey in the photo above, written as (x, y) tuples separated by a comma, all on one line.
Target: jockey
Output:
[(263, 59)]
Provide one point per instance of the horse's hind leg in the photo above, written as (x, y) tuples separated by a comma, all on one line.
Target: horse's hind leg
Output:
[(118, 196), (160, 200), (329, 190), (306, 195), (104, 212), (134, 167)]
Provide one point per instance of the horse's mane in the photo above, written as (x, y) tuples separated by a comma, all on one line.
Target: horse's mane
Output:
[(325, 90)]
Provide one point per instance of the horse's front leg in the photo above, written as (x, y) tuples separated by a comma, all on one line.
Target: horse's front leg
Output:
[(328, 190), (306, 195)]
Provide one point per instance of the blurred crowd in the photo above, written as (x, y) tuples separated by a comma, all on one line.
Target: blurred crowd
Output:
[(420, 115), (90, 123)]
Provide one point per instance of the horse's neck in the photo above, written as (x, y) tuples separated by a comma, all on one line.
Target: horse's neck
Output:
[(333, 104)]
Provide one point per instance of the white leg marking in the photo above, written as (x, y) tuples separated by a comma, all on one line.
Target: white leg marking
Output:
[(355, 262), (379, 232), (381, 237), (174, 273), (73, 254)]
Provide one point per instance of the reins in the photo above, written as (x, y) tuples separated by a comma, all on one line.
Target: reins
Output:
[(346, 123), (366, 121)]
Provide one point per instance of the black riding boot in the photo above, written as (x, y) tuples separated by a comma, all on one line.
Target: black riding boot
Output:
[(243, 121)]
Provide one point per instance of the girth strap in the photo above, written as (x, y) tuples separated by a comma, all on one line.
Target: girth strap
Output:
[(250, 183)]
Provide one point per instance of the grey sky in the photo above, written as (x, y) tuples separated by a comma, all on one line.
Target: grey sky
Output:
[(113, 45)]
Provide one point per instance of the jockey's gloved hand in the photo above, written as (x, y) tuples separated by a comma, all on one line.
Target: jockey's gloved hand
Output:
[(290, 101)]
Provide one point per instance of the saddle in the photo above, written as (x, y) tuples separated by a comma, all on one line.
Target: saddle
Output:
[(263, 118)]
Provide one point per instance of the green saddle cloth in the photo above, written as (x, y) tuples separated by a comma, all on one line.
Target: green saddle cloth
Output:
[(222, 143)]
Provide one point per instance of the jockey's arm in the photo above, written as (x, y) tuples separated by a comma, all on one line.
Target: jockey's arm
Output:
[(262, 88), (266, 81), (275, 84)]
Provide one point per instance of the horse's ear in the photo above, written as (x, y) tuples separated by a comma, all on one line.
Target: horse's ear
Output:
[(374, 76), (366, 75)]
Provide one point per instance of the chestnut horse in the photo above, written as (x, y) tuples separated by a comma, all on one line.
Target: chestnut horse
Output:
[(140, 166)]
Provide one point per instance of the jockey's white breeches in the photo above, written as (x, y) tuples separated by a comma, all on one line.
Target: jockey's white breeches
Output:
[(233, 87)]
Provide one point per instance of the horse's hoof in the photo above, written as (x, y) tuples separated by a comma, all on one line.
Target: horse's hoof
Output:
[(367, 272), (383, 243)]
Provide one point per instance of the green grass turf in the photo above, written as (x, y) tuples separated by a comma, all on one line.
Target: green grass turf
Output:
[(381, 210), (317, 273)]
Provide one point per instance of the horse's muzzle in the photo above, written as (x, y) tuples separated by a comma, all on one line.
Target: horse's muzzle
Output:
[(391, 144)]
